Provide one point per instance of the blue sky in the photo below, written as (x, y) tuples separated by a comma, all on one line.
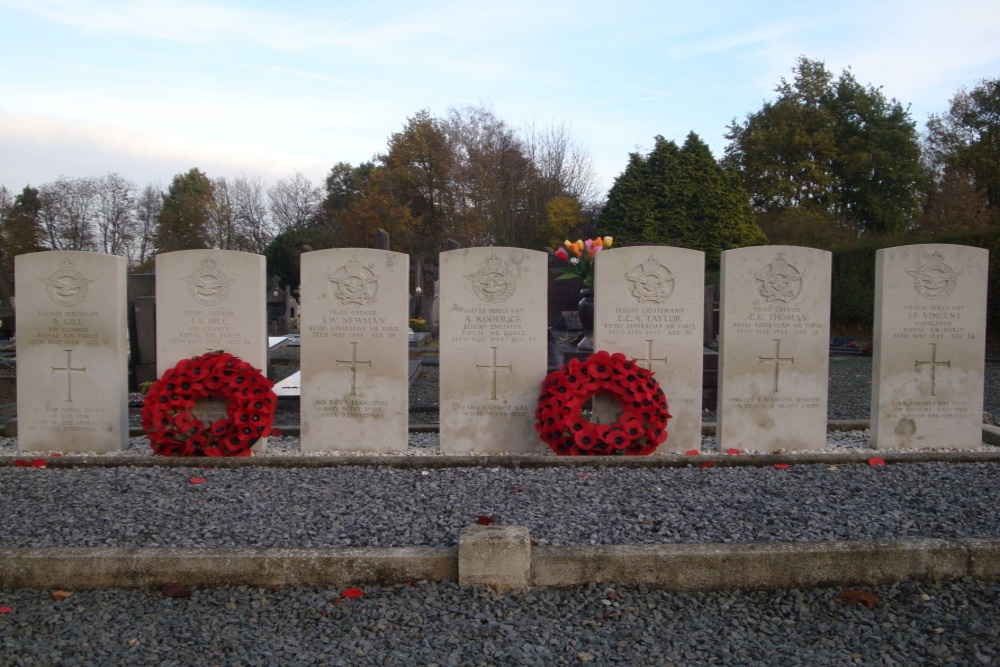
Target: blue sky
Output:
[(149, 89)]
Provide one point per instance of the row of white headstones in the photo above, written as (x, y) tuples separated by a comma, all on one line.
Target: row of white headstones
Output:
[(927, 380)]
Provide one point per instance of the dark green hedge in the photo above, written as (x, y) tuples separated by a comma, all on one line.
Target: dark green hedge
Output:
[(853, 298)]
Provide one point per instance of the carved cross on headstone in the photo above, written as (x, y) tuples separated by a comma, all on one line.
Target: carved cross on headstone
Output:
[(354, 363), (933, 363), (69, 370), (777, 360), (649, 360), (493, 368)]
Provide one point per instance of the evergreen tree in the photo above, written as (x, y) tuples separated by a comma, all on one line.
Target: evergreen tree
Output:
[(680, 196), (186, 214)]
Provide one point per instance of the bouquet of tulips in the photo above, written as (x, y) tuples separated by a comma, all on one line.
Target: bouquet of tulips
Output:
[(580, 255)]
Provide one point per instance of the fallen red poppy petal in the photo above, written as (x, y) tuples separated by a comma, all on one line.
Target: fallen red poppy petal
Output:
[(692, 452), (56, 454), (707, 464), (875, 461), (850, 596), (197, 480), (517, 489), (582, 475), (732, 451), (60, 595), (351, 593), (484, 520), (6, 610), (37, 463), (21, 463), (782, 466)]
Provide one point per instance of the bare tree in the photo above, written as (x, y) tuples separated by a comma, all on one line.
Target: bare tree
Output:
[(147, 211), (295, 202), (222, 231), (253, 227), (564, 167), (116, 219), (68, 213)]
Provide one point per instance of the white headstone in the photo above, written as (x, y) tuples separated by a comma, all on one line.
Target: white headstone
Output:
[(649, 305), (72, 364), (493, 348), (774, 348), (355, 350), (930, 329), (206, 301)]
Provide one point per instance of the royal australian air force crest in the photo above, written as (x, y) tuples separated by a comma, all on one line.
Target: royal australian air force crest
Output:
[(493, 282), (66, 287), (935, 279), (779, 281), (354, 283), (208, 285), (650, 282)]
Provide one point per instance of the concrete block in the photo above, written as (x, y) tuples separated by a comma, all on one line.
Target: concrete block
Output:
[(498, 557), (984, 558), (76, 568), (757, 566)]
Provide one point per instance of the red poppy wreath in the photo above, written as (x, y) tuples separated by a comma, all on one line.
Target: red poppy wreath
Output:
[(640, 428), (167, 410)]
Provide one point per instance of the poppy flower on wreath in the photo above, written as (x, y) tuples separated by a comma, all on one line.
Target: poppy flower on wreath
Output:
[(641, 426), (168, 409)]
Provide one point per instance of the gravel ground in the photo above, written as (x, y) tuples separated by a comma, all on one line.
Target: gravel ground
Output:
[(441, 624), (913, 622)]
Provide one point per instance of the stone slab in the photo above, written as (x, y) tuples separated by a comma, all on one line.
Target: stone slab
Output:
[(498, 557), (493, 348), (649, 305), (752, 566), (355, 350), (72, 372), (774, 348), (930, 335)]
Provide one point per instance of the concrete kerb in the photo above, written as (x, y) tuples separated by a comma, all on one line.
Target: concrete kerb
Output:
[(673, 567)]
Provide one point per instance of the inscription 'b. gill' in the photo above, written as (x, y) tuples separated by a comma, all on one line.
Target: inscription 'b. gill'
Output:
[(208, 285), (493, 282), (935, 279), (650, 281), (66, 287), (779, 281), (355, 284)]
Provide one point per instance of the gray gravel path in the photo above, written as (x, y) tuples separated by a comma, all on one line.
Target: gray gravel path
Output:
[(441, 624)]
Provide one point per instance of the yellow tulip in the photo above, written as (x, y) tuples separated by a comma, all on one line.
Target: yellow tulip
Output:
[(608, 241)]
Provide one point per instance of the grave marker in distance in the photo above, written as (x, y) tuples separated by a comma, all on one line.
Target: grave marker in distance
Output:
[(355, 350), (493, 348), (774, 348), (930, 328), (210, 300), (72, 372), (649, 305)]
